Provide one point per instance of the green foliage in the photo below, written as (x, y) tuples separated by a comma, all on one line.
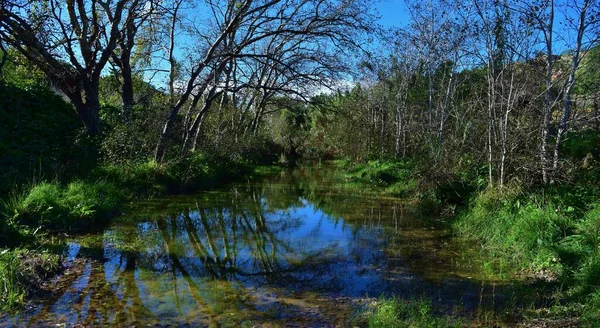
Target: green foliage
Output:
[(580, 250), (591, 313), (129, 141), (84, 203), (405, 188), (290, 129), (383, 172), (18, 71), (137, 180), (544, 232), (397, 313), (40, 136), (588, 75), (398, 178), (148, 179)]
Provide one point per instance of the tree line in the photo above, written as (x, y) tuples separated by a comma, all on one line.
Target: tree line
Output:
[(496, 86), (199, 55)]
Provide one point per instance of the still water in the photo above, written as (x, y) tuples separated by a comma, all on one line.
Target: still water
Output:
[(299, 248)]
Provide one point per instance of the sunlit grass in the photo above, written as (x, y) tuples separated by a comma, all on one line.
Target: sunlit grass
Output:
[(53, 205), (398, 313)]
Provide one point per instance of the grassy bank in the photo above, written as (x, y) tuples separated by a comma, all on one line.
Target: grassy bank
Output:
[(396, 178), (22, 272), (86, 202), (397, 313), (546, 234), (32, 213)]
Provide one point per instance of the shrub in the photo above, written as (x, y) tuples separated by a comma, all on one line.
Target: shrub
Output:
[(39, 136)]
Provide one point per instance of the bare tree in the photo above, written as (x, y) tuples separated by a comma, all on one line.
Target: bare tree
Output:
[(141, 13), (238, 32), (587, 33), (71, 42)]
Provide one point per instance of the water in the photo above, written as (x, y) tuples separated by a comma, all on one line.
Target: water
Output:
[(296, 249)]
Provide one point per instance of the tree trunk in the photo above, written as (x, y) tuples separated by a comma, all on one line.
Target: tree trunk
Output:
[(564, 125), (444, 109), (89, 112), (597, 111), (197, 130), (159, 151), (127, 88), (90, 116), (547, 96), (564, 122)]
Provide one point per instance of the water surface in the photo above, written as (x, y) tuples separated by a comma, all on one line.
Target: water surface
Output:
[(299, 248)]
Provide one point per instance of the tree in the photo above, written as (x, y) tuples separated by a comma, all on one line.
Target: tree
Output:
[(293, 40), (71, 42), (586, 27)]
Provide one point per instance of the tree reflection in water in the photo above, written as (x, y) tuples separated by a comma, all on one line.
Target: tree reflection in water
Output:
[(235, 256)]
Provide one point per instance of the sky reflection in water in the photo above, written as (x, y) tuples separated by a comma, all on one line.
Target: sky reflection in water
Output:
[(291, 248)]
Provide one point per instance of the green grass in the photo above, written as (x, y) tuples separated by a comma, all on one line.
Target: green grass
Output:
[(397, 178), (547, 235), (85, 203), (21, 272), (524, 231), (137, 180), (151, 179), (397, 313), (81, 204), (591, 312), (56, 206), (267, 169)]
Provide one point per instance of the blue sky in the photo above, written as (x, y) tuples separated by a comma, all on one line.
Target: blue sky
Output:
[(392, 12)]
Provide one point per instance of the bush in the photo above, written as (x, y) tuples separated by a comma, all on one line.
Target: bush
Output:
[(40, 136)]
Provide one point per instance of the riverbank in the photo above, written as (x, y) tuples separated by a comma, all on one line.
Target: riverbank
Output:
[(548, 235), (34, 216)]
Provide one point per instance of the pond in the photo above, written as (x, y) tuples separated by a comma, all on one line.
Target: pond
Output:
[(298, 248)]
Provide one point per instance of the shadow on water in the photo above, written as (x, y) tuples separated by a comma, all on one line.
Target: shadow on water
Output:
[(294, 249)]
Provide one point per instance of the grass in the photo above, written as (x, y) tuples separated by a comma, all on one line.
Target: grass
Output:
[(84, 203), (398, 313), (267, 169), (546, 236), (524, 231), (87, 202), (21, 272), (547, 233), (591, 313), (396, 178), (53, 206)]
